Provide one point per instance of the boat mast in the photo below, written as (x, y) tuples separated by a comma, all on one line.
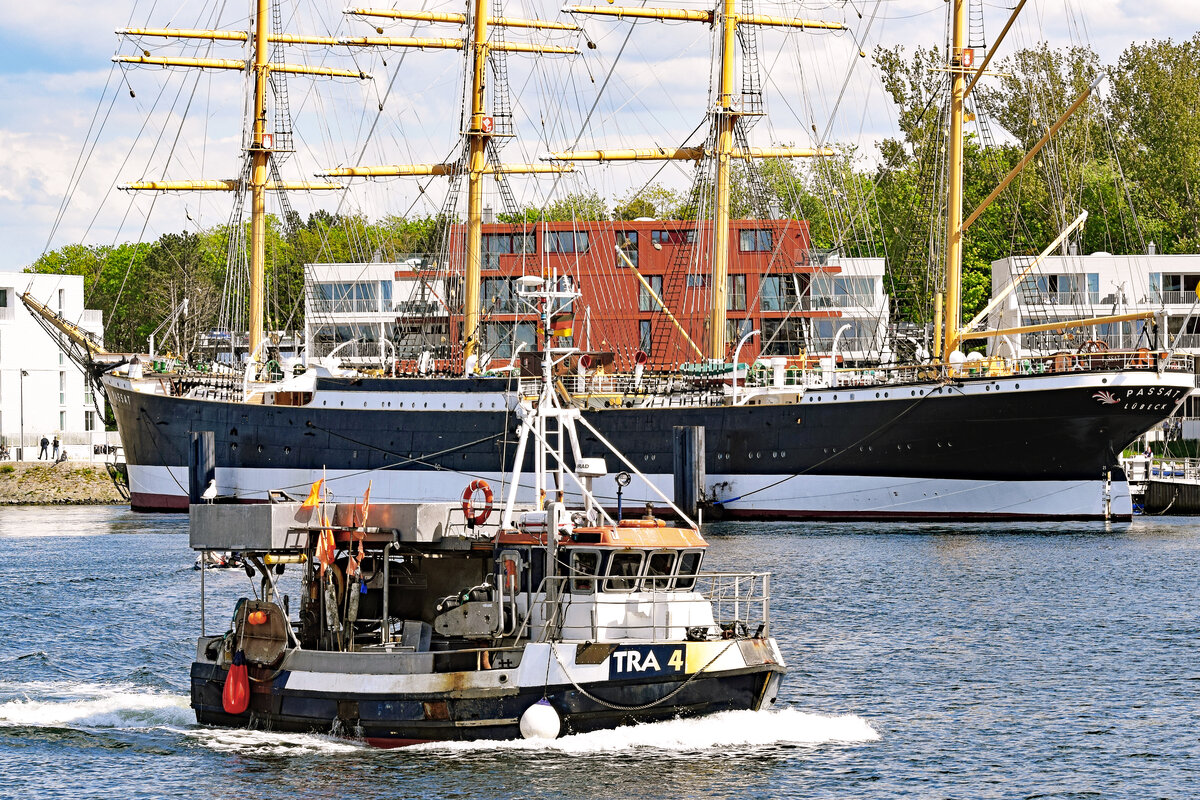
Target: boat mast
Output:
[(480, 130), (725, 117), (952, 318)]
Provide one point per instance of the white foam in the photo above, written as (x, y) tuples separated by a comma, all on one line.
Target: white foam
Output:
[(90, 705), (267, 743), (787, 726)]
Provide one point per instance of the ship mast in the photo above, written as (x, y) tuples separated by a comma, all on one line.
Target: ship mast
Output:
[(259, 147), (726, 116), (952, 318), (480, 130)]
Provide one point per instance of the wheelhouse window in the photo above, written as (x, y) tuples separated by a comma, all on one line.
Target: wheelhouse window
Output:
[(566, 241), (659, 570), (755, 241), (689, 565), (624, 568), (585, 569)]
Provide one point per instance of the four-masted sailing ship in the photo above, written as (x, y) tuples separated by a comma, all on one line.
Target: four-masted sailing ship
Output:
[(950, 437)]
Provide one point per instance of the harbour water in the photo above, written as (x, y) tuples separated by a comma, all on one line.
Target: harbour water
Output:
[(926, 661)]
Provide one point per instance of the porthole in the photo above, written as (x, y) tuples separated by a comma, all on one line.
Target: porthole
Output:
[(885, 394), (783, 453), (774, 454), (233, 445), (260, 448), (341, 402), (287, 451)]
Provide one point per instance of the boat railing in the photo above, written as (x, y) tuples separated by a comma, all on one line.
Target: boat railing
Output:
[(740, 602)]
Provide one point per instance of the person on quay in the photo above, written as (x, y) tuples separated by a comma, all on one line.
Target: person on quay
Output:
[(45, 447), (55, 456)]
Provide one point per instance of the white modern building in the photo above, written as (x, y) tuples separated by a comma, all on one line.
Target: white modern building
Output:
[(42, 392), (1100, 284)]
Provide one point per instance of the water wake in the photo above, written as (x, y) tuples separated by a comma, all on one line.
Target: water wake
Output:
[(268, 743), (787, 726), (90, 705)]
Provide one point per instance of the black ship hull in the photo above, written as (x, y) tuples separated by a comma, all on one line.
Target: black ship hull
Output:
[(400, 719), (1029, 446)]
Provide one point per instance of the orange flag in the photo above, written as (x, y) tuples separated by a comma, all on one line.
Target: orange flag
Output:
[(314, 496), (365, 508), (326, 546)]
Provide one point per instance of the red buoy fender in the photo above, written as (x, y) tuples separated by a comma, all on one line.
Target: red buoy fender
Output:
[(468, 506), (235, 697)]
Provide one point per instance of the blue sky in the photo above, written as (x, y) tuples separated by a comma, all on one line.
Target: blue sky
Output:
[(54, 67)]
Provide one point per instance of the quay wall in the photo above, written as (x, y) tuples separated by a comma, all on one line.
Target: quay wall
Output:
[(66, 483)]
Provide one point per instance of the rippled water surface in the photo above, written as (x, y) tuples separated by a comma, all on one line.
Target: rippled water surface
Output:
[(926, 661)]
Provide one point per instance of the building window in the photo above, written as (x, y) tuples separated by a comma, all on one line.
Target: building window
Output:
[(645, 301), (62, 420), (697, 281), (673, 237), (628, 242), (62, 293), (735, 329), (566, 241), (498, 297), (89, 420), (498, 338), (3, 298), (644, 335), (782, 337), (62, 388), (735, 293), (779, 292), (755, 241), (89, 393), (829, 291)]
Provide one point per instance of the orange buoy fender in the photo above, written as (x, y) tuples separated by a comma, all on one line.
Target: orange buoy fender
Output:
[(235, 697), (468, 507)]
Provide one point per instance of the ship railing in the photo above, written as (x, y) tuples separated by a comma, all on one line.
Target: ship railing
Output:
[(619, 388), (1187, 469), (740, 602)]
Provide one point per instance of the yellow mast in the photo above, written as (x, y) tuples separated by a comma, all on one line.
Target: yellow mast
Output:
[(258, 180), (259, 149), (952, 318), (479, 131), (725, 118), (477, 140), (725, 121)]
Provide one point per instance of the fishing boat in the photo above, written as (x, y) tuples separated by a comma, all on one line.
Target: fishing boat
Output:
[(948, 435), (434, 621)]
